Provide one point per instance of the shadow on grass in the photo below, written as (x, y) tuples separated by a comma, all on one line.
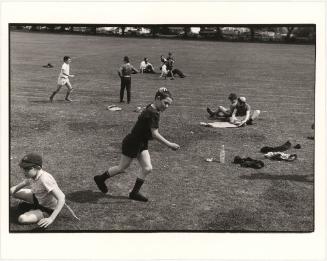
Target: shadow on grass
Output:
[(89, 196), (300, 178), (47, 101)]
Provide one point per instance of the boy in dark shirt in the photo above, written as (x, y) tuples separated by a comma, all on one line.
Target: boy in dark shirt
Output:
[(243, 111), (222, 112), (124, 73), (135, 144)]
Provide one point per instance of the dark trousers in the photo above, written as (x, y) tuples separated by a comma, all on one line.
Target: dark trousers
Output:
[(126, 82), (178, 72)]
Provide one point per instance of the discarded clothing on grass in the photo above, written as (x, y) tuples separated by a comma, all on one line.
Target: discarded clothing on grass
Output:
[(49, 65), (280, 156), (113, 108), (248, 162), (283, 147)]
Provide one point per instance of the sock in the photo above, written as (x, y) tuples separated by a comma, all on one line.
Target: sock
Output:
[(138, 184), (105, 175)]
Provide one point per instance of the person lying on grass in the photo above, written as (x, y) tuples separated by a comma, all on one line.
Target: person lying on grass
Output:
[(243, 111), (135, 145), (44, 200), (222, 112)]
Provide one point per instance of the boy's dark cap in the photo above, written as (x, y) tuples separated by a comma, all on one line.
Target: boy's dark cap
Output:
[(31, 160), (232, 96)]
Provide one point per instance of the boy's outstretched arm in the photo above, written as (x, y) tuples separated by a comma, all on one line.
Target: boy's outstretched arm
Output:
[(18, 187), (156, 135), (60, 196)]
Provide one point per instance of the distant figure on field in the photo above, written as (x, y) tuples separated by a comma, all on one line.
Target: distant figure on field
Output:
[(146, 67), (243, 111), (135, 145), (170, 67), (222, 112), (63, 79), (124, 73)]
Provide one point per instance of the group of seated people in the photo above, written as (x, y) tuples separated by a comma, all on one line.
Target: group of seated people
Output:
[(238, 113), (166, 67)]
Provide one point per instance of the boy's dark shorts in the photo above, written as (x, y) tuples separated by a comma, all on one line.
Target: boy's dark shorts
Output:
[(37, 205), (24, 207), (131, 147)]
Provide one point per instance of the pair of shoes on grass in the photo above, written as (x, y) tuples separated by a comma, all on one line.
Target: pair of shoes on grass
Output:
[(100, 182)]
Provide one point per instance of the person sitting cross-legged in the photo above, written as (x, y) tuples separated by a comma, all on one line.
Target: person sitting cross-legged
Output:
[(223, 113), (242, 110), (146, 67)]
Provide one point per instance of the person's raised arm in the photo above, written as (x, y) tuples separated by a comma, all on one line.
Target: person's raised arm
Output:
[(156, 135), (60, 196)]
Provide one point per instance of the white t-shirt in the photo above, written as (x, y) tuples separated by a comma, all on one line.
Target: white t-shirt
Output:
[(143, 65), (41, 188), (64, 69)]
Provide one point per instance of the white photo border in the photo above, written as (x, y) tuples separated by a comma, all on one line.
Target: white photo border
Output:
[(154, 246)]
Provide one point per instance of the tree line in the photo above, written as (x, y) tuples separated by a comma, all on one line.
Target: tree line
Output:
[(290, 33)]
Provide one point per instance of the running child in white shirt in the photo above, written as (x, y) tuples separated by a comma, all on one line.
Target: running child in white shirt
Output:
[(63, 79)]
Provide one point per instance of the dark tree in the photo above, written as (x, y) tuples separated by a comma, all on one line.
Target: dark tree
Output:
[(290, 29), (154, 30), (187, 30), (123, 30), (219, 34)]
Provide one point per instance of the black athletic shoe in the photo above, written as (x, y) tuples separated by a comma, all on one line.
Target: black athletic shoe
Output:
[(69, 100), (100, 183), (137, 196), (210, 111)]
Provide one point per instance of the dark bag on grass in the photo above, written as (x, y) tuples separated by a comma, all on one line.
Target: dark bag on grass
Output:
[(249, 162), (283, 147)]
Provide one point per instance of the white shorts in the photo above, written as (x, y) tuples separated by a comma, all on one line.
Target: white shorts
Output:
[(63, 81)]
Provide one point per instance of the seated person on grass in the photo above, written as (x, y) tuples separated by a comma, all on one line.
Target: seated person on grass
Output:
[(243, 111), (43, 200), (146, 67), (223, 113)]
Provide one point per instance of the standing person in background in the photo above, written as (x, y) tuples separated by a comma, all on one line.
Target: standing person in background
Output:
[(63, 79), (170, 67), (124, 73), (170, 63)]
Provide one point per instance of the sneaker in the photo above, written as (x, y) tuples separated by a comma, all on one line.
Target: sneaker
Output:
[(100, 183), (69, 100), (137, 196)]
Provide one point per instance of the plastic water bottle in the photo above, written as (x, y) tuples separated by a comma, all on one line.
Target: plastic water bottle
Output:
[(222, 154)]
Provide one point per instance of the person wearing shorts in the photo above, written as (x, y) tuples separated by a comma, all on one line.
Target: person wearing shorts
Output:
[(43, 201), (63, 80), (135, 145)]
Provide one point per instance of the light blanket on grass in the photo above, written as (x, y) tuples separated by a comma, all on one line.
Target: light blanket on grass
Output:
[(218, 124)]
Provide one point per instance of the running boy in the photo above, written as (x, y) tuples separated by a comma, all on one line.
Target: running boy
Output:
[(63, 79), (44, 197), (135, 144)]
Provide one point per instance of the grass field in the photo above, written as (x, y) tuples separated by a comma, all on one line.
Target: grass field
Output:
[(81, 139)]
